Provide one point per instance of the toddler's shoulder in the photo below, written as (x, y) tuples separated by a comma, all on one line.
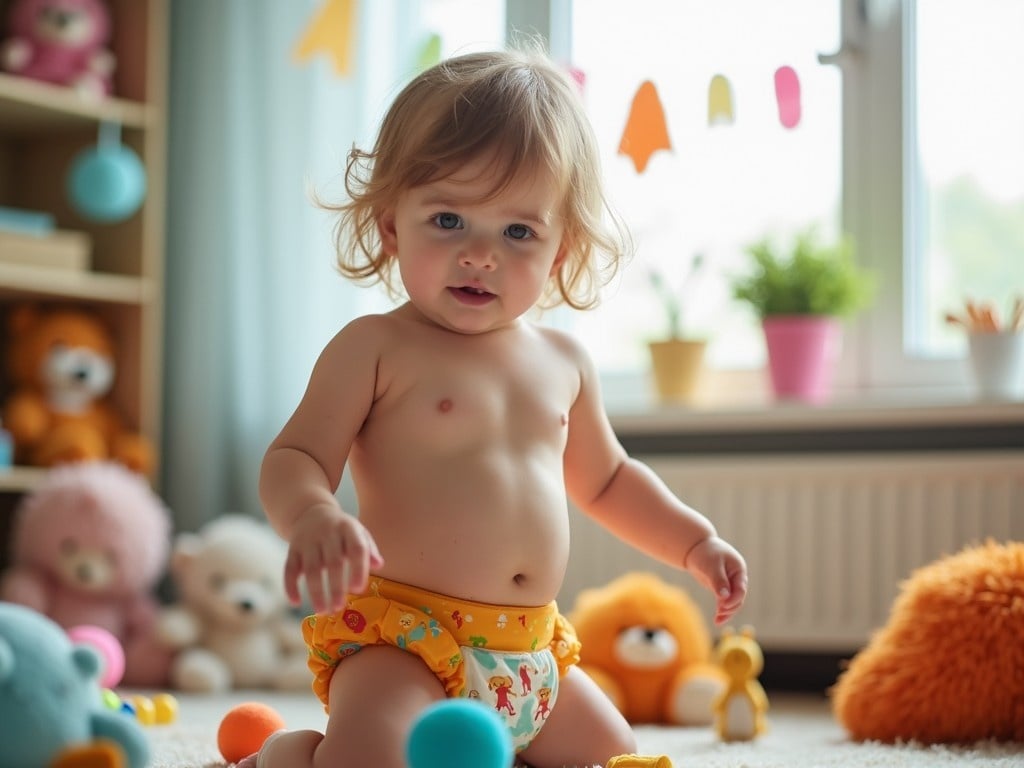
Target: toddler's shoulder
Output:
[(566, 345)]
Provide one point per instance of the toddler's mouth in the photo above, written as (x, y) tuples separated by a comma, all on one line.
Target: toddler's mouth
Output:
[(468, 294)]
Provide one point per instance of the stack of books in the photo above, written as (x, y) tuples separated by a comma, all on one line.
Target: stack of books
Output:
[(31, 238)]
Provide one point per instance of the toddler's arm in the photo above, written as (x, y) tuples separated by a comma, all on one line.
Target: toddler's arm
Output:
[(301, 470), (632, 502)]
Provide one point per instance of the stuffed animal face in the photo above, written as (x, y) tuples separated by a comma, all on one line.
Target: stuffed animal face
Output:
[(640, 623), (94, 526), (71, 24), (231, 572), (50, 697), (67, 354)]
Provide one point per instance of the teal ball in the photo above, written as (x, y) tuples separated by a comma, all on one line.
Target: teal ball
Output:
[(459, 733), (107, 184)]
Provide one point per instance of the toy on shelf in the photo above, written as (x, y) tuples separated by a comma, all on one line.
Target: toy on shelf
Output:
[(87, 546), (740, 709), (245, 727), (61, 365), (50, 705), (61, 42), (948, 666), (646, 644), (232, 624)]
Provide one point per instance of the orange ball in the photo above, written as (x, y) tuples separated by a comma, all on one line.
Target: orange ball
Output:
[(244, 729)]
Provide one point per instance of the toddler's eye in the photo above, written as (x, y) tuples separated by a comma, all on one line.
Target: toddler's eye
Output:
[(518, 231), (448, 221)]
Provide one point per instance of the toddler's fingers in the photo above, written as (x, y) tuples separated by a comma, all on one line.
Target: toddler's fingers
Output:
[(292, 570)]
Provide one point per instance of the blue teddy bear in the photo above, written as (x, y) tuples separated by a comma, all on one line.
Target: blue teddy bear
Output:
[(50, 698)]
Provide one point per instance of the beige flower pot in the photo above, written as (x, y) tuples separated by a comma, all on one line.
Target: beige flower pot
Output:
[(676, 365)]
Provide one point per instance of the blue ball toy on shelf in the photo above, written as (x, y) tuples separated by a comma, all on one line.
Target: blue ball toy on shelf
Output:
[(459, 733), (107, 183)]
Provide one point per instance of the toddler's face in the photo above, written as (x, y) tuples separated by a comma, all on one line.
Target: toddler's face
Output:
[(473, 264)]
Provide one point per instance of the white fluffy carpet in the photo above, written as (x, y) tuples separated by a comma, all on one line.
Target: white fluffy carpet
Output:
[(801, 732)]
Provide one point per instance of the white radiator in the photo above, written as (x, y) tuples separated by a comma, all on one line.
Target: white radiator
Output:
[(827, 538)]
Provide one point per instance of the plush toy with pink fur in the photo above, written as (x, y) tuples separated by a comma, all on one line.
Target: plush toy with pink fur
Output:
[(60, 41), (87, 547)]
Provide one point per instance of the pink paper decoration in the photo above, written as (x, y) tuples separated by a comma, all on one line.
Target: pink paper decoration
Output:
[(787, 94)]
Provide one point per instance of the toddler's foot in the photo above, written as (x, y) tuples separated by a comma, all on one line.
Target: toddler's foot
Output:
[(254, 760)]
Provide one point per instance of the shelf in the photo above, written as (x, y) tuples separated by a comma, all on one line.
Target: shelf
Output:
[(44, 282), (30, 106), (20, 479)]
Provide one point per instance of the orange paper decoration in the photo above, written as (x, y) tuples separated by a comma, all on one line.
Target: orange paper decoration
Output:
[(332, 32), (646, 131)]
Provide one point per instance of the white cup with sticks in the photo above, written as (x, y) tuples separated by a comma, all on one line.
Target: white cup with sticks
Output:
[(996, 349)]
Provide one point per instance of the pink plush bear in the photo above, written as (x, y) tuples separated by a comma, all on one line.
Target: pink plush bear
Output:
[(87, 547), (60, 41)]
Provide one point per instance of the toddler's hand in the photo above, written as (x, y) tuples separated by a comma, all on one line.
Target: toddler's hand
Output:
[(334, 552), (719, 567)]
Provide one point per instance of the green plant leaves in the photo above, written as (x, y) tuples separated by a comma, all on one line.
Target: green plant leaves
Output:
[(809, 279)]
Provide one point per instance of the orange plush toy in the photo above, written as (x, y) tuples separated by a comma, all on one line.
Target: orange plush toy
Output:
[(60, 366), (948, 667), (648, 647)]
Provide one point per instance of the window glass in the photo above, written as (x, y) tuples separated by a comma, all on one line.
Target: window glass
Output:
[(465, 26), (721, 186), (967, 233)]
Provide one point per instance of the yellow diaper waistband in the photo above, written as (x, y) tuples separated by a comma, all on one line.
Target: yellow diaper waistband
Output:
[(524, 628)]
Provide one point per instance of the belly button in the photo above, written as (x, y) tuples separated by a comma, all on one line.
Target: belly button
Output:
[(564, 419), (519, 578)]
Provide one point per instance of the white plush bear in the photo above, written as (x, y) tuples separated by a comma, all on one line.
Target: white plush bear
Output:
[(232, 624)]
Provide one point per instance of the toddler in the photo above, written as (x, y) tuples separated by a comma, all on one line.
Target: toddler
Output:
[(467, 428)]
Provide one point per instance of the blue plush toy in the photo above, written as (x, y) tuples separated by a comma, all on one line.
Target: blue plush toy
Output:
[(50, 700)]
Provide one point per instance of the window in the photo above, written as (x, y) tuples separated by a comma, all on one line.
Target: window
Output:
[(912, 142), (721, 186), (967, 177)]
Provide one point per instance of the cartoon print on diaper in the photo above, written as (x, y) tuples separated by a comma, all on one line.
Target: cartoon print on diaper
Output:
[(544, 697), (501, 685), (519, 686), (414, 634)]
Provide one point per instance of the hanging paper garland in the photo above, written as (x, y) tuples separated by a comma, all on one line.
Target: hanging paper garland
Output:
[(646, 131), (332, 31), (787, 94), (430, 54), (720, 105)]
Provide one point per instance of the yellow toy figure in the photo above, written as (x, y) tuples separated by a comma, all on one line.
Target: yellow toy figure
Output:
[(739, 711)]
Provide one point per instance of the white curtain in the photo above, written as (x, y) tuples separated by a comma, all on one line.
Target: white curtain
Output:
[(252, 295)]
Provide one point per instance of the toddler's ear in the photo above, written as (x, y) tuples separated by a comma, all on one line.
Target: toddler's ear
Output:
[(386, 229), (563, 252)]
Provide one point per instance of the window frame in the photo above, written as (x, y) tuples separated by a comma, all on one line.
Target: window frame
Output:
[(878, 206)]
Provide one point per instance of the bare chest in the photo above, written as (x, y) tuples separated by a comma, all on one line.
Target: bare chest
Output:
[(458, 402)]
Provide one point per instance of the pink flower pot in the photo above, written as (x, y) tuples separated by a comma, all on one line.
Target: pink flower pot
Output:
[(802, 353)]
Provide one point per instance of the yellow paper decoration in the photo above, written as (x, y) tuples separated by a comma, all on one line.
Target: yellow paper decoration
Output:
[(720, 105), (332, 31), (646, 131)]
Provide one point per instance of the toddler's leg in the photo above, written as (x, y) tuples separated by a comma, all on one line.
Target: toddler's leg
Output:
[(584, 728), (375, 697)]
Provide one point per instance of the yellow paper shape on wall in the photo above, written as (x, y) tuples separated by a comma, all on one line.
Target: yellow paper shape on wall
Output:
[(332, 31), (720, 107), (646, 131)]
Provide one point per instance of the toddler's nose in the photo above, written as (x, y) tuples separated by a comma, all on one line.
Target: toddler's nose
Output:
[(477, 254)]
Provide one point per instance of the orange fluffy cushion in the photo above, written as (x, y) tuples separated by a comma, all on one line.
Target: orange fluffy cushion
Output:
[(948, 667)]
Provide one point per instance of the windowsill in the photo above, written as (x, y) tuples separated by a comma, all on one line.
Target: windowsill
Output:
[(742, 404)]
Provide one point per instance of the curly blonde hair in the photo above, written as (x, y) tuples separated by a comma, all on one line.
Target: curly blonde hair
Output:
[(514, 106)]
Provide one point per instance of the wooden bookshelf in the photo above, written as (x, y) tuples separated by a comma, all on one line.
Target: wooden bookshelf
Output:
[(42, 128)]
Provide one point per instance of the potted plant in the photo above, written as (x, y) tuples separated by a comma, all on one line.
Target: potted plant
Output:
[(801, 293), (676, 359)]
